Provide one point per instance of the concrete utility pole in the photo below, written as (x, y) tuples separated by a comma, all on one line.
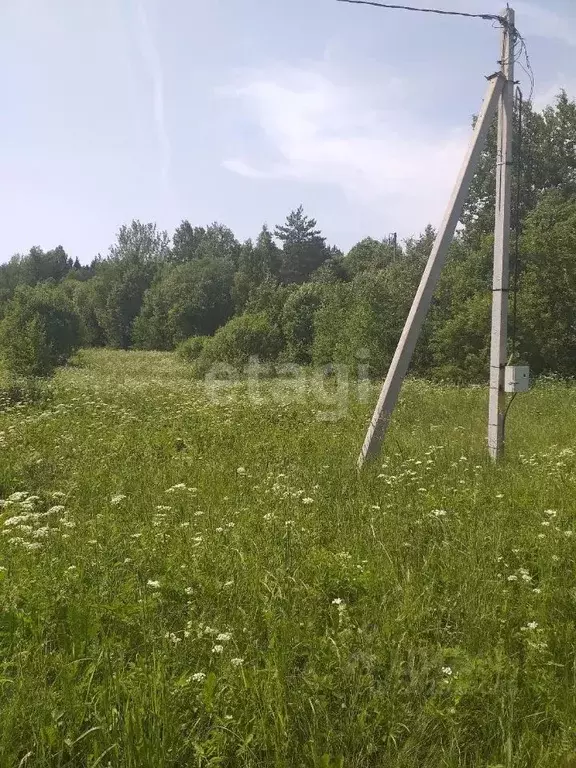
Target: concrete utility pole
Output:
[(499, 339), (405, 349)]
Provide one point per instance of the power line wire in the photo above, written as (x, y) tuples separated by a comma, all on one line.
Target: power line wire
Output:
[(523, 51), (485, 16)]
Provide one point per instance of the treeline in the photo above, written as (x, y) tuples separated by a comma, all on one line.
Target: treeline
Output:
[(289, 296)]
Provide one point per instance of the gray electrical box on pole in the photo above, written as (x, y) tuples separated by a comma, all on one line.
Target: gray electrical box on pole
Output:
[(501, 282)]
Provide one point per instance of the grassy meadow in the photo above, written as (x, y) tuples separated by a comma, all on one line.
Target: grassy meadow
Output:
[(192, 581)]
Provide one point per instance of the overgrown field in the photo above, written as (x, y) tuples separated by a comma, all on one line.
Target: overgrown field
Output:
[(192, 583)]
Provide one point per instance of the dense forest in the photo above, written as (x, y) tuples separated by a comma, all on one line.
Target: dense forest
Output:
[(289, 296)]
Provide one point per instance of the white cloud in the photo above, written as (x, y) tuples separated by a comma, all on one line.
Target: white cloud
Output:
[(326, 131), (540, 22)]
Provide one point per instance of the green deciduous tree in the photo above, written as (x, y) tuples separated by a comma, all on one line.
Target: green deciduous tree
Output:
[(39, 331), (185, 242), (298, 321), (369, 255), (257, 264), (547, 298), (194, 298), (134, 260)]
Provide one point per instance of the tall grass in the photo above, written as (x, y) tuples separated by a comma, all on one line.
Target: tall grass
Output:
[(190, 583)]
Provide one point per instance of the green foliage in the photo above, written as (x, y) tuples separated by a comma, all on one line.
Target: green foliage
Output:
[(329, 322), (39, 331), (191, 349), (269, 299), (134, 260), (218, 242), (549, 163), (461, 346), (185, 242), (369, 255), (298, 322), (89, 302), (139, 244), (244, 337), (194, 298), (304, 249), (364, 319), (125, 287), (548, 286), (257, 264)]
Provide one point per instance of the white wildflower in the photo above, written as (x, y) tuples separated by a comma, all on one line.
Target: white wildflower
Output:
[(218, 649), (16, 520), (177, 487), (57, 509), (18, 496), (32, 545), (236, 662), (118, 499), (198, 677), (153, 584)]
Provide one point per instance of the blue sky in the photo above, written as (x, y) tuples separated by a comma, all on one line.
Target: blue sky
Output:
[(239, 110)]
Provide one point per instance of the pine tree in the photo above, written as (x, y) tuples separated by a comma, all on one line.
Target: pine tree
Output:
[(304, 248)]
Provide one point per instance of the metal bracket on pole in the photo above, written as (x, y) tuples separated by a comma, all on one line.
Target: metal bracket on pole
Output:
[(499, 338), (420, 306)]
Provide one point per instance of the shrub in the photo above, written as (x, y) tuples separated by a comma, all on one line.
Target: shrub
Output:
[(191, 349), (298, 321), (39, 331), (243, 337)]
